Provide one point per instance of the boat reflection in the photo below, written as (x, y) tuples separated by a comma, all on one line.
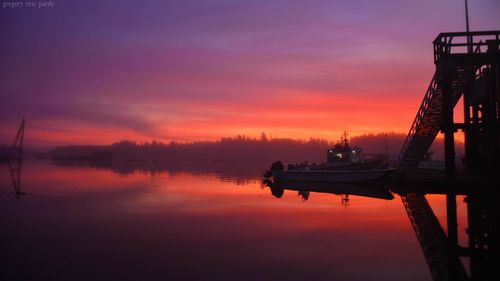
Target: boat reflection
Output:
[(373, 190), (473, 259), (445, 257)]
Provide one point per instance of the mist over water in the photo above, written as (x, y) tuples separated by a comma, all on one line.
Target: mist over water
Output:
[(100, 224)]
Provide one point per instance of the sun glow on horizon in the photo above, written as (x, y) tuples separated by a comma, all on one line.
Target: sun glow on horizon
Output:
[(209, 70)]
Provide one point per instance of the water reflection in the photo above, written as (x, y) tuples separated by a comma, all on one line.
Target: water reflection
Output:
[(371, 190), (238, 173), (14, 170), (441, 249), (446, 258), (187, 225)]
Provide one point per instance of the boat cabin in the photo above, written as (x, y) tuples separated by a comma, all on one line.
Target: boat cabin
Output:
[(342, 154)]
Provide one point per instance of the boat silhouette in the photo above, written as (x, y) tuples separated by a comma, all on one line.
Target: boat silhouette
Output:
[(344, 164)]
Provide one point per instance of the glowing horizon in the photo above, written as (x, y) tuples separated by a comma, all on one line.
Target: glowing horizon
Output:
[(97, 72)]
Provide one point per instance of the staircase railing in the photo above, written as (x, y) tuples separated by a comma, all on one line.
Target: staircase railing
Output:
[(460, 42), (420, 115), (447, 44)]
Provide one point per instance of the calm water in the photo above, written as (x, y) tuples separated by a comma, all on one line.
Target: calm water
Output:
[(84, 223)]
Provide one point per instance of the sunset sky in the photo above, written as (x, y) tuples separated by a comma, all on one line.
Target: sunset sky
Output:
[(99, 71)]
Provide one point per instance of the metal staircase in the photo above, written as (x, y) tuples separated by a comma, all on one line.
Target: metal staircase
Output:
[(457, 57), (429, 119)]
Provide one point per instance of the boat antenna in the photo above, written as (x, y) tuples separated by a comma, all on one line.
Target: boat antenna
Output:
[(344, 139), (385, 144)]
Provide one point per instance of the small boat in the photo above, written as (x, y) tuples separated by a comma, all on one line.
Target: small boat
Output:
[(344, 164)]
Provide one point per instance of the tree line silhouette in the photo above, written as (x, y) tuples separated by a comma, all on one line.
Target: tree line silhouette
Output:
[(239, 148)]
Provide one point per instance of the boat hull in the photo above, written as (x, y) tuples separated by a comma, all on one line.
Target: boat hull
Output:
[(341, 176)]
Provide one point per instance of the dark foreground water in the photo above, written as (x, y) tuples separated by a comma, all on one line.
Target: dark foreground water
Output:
[(84, 223)]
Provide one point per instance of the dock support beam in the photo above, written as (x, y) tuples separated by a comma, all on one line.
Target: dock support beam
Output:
[(448, 128)]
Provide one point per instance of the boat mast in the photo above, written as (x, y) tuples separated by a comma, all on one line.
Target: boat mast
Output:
[(344, 138), (386, 147)]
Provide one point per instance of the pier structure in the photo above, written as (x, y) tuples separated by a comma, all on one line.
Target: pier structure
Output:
[(467, 69)]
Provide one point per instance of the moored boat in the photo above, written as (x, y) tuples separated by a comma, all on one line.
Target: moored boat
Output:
[(344, 164)]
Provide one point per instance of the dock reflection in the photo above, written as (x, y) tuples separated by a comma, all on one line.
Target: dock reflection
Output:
[(443, 254), (446, 259)]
